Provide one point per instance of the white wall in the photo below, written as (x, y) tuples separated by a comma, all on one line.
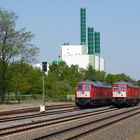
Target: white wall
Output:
[(99, 63), (102, 64), (68, 50), (72, 54), (81, 60)]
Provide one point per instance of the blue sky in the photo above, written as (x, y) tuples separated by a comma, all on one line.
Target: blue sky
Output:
[(54, 22)]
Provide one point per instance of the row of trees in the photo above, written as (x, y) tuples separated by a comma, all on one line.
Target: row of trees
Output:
[(23, 79)]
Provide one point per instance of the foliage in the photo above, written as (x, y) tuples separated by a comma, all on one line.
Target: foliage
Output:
[(61, 79), (111, 78), (138, 83), (23, 78), (14, 46), (93, 74)]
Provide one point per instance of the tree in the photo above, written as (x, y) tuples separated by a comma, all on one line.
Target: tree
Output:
[(112, 78), (138, 83), (74, 75), (24, 79), (59, 69), (92, 74), (14, 46), (61, 79)]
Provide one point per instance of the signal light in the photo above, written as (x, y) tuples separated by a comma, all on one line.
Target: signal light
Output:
[(44, 66)]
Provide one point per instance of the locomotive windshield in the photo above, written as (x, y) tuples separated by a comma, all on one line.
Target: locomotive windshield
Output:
[(86, 87), (115, 87), (122, 87), (79, 87), (119, 87)]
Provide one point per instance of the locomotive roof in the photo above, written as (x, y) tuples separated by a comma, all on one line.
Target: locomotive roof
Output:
[(126, 82), (94, 83)]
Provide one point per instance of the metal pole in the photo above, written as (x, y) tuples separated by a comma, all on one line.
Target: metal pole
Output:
[(44, 69), (43, 89)]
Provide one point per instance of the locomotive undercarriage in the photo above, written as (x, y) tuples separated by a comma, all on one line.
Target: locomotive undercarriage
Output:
[(89, 103), (82, 102), (125, 102)]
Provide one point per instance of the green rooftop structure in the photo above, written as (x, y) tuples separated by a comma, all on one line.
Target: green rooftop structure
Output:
[(83, 25), (57, 61)]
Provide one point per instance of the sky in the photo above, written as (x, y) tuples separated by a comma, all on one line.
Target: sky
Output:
[(54, 22)]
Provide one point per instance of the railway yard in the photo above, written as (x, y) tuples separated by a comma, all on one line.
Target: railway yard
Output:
[(66, 121), (73, 94)]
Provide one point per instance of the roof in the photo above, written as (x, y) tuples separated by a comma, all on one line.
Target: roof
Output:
[(126, 82), (95, 83), (57, 60)]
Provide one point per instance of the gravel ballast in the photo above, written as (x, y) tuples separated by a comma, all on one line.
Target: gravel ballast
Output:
[(124, 130)]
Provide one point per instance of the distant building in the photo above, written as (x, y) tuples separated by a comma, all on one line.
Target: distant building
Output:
[(77, 55), (85, 54), (88, 53)]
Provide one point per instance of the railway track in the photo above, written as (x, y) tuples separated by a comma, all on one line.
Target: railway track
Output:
[(33, 115), (70, 127), (91, 126), (34, 109), (30, 125)]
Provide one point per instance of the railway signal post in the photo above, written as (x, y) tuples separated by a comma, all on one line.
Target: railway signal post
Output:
[(44, 69)]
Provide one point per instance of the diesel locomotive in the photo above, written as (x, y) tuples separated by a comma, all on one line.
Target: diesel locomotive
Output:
[(125, 94), (92, 93)]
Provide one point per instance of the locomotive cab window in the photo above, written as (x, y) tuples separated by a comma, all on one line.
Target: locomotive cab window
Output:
[(115, 88), (123, 87), (79, 87), (87, 87)]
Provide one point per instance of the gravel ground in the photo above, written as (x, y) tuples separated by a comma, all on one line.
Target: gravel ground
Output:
[(136, 135), (125, 130)]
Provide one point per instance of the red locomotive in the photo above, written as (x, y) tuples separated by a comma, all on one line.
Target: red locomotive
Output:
[(92, 93), (125, 94)]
